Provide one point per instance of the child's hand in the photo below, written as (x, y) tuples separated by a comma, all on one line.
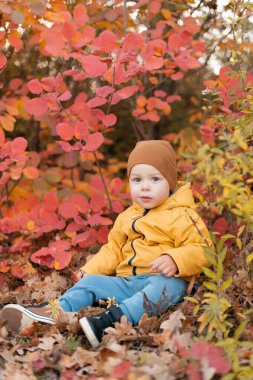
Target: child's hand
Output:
[(76, 276), (164, 265), (80, 274)]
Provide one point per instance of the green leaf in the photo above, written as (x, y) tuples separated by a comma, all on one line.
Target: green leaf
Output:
[(210, 285), (191, 299), (219, 270), (222, 254), (226, 284), (228, 236), (209, 273), (239, 243), (210, 256), (240, 329), (249, 258), (196, 309), (240, 231)]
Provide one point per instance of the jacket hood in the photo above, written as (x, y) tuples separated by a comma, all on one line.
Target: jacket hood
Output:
[(181, 197)]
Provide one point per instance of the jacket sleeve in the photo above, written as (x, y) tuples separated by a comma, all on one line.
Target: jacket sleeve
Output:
[(190, 237), (107, 259)]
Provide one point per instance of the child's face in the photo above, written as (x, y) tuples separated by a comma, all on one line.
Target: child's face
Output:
[(148, 187)]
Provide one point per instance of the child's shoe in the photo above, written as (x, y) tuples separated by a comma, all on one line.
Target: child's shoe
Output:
[(94, 327), (19, 318)]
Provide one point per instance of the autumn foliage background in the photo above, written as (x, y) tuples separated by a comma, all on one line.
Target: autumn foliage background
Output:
[(80, 83)]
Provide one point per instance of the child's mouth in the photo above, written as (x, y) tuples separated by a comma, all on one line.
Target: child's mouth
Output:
[(146, 198)]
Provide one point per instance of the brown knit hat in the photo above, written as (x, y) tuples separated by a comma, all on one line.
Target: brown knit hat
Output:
[(158, 153)]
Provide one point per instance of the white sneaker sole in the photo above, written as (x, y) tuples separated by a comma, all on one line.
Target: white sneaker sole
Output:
[(18, 317), (89, 332)]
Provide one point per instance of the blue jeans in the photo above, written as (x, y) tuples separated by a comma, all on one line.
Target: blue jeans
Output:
[(136, 295)]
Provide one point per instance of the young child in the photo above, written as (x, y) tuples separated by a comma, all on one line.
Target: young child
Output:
[(153, 250)]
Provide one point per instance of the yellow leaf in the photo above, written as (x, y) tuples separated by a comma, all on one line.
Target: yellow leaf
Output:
[(166, 13), (249, 258), (30, 225), (7, 122)]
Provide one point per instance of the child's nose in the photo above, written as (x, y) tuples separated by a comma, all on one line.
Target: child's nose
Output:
[(145, 185)]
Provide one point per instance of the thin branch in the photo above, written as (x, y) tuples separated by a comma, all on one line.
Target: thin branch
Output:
[(195, 224), (103, 180), (125, 16)]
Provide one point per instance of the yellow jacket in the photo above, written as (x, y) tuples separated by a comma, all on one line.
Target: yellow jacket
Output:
[(140, 236)]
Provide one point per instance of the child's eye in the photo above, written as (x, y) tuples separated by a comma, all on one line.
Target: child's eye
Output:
[(136, 179), (155, 179)]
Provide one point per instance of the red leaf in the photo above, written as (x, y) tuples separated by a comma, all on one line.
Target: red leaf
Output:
[(190, 25), (65, 146), (96, 102), (65, 96), (155, 6), (34, 86), (81, 130), (123, 93), (160, 93), (93, 66), (214, 355), (80, 238), (65, 131), (8, 225), (95, 220), (3, 61), (105, 42), (153, 63), (97, 202), (173, 98), (4, 179), (199, 46), (104, 91), (68, 31), (80, 202), (36, 106), (48, 83), (102, 234), (80, 15), (18, 271), (18, 145), (109, 120), (50, 201), (117, 206), (133, 41), (185, 61), (43, 257), (193, 371), (94, 141), (175, 42), (2, 137), (220, 226), (54, 256), (80, 221), (31, 172), (116, 185), (122, 369), (177, 76), (68, 210), (151, 115)]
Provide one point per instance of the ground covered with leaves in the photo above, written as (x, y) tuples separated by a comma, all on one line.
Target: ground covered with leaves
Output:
[(169, 347)]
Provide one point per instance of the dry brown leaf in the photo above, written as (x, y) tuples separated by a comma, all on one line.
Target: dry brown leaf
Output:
[(14, 371), (67, 361), (184, 340), (174, 323), (120, 330), (84, 357), (46, 343), (147, 324)]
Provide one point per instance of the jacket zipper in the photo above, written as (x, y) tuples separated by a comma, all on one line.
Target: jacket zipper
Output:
[(132, 242)]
